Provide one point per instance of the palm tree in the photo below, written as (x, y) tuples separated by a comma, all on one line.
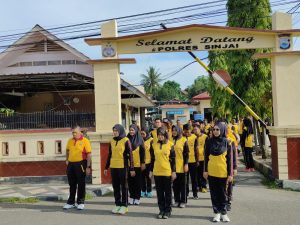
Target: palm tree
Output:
[(151, 80)]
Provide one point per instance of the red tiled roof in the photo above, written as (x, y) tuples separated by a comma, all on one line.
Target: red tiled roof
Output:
[(174, 106), (202, 96)]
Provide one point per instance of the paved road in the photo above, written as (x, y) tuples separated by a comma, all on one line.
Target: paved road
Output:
[(253, 204)]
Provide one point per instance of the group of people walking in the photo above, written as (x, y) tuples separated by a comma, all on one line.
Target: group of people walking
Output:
[(174, 156)]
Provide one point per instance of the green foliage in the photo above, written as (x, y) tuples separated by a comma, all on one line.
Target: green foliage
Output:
[(7, 111), (150, 81), (170, 90), (251, 78), (200, 85)]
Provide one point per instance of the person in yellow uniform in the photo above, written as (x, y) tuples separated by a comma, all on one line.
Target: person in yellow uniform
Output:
[(120, 152), (201, 138), (182, 156), (146, 181), (193, 160), (217, 170), (138, 152), (78, 160), (233, 143), (164, 171), (157, 124), (247, 144)]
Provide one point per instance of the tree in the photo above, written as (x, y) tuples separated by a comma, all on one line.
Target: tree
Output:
[(200, 85), (150, 81), (251, 78), (170, 90)]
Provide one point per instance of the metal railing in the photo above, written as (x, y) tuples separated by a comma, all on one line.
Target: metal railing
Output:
[(44, 120)]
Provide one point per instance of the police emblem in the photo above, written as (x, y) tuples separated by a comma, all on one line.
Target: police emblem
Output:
[(108, 51), (284, 42)]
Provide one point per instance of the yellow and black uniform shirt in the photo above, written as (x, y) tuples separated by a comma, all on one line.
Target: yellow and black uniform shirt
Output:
[(182, 153), (154, 135), (119, 154), (147, 144), (162, 158), (78, 149), (201, 143), (246, 139), (193, 148), (217, 162), (138, 155)]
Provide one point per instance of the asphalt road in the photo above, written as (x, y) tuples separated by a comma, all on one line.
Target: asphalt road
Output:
[(253, 204)]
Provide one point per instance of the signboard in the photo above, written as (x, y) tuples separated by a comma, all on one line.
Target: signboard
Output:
[(199, 117), (194, 39), (175, 112)]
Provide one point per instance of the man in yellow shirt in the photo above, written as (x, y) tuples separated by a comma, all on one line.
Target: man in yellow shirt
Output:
[(78, 160)]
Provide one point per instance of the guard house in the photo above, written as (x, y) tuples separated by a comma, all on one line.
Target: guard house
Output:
[(50, 87)]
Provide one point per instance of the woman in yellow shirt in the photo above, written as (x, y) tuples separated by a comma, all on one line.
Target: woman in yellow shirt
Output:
[(163, 168), (218, 170), (120, 153), (247, 144), (146, 181), (182, 156), (138, 153)]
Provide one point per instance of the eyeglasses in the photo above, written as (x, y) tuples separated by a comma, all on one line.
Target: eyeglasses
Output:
[(216, 129)]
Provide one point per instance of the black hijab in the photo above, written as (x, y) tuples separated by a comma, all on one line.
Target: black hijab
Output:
[(218, 145), (146, 130), (137, 139), (178, 130), (121, 131)]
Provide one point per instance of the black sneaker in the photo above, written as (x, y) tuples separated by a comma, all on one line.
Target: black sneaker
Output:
[(195, 197), (160, 215), (167, 215), (228, 207)]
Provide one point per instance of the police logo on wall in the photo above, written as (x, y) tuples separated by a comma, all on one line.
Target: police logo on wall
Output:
[(284, 42), (108, 51)]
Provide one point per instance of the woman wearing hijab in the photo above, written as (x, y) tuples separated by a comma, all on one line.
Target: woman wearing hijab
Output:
[(247, 144), (120, 153), (182, 156), (218, 170), (138, 153), (146, 181), (163, 168)]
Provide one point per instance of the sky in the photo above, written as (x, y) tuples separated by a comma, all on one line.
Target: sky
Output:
[(20, 16)]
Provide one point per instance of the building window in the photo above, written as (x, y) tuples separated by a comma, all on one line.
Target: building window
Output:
[(80, 62), (5, 150), (54, 62), (40, 63), (22, 147), (40, 148), (67, 62), (25, 63), (58, 148)]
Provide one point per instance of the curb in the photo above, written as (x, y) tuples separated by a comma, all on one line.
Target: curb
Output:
[(264, 169), (94, 192)]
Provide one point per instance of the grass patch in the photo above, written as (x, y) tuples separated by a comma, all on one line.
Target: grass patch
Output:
[(19, 200), (271, 184), (88, 196)]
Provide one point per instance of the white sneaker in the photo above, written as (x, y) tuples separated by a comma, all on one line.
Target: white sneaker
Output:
[(225, 218), (80, 207), (68, 206), (136, 202), (130, 201), (123, 210), (217, 217), (116, 210)]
